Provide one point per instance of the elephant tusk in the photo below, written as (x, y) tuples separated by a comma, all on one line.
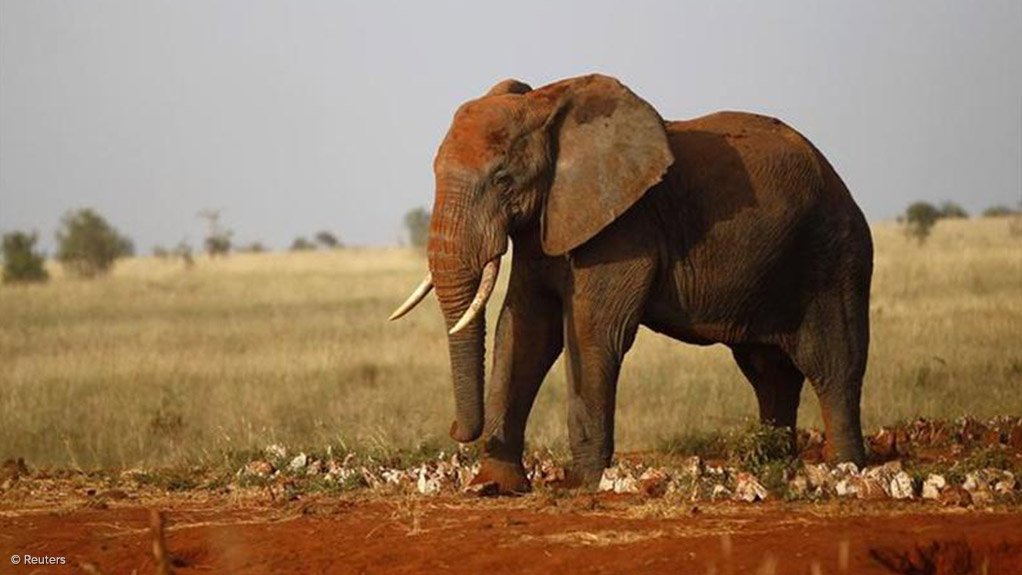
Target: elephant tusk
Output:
[(486, 284), (413, 300)]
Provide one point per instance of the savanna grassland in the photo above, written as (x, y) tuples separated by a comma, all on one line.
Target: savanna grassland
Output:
[(158, 365)]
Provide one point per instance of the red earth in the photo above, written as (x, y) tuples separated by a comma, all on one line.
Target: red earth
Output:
[(539, 533)]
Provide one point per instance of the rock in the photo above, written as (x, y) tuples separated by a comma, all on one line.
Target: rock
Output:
[(693, 467), (258, 468), (618, 480), (653, 483), (720, 492), (275, 451), (884, 444), (799, 485), (749, 489), (901, 486), (956, 496), (844, 488), (428, 484), (298, 464), (933, 486), (869, 488), (847, 468), (818, 475)]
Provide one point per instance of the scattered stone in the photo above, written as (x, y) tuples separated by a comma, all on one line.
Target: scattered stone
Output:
[(653, 483), (720, 492), (487, 489), (618, 480), (748, 488), (818, 475), (884, 444), (956, 496), (901, 486), (869, 488), (799, 485), (933, 486), (298, 463), (692, 467), (258, 468), (275, 451)]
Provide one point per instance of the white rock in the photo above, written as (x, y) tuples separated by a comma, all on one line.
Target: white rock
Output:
[(748, 488), (933, 485), (427, 484), (298, 463), (847, 468), (901, 486), (844, 488), (276, 451), (719, 492), (693, 466), (818, 475), (607, 479)]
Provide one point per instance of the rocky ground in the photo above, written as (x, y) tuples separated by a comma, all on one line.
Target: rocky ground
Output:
[(936, 497)]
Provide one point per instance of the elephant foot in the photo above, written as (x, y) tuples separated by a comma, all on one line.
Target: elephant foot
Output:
[(583, 478), (508, 478), (853, 451)]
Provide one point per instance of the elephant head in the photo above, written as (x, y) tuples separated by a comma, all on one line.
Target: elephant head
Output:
[(569, 157)]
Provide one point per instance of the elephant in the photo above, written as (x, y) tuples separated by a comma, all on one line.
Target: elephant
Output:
[(731, 228)]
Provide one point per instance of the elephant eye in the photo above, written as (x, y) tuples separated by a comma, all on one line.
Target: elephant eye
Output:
[(502, 179)]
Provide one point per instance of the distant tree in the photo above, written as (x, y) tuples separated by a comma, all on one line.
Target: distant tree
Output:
[(218, 239), (328, 240), (301, 244), (219, 244), (919, 220), (184, 251), (254, 248), (998, 212), (88, 246), (417, 224), (21, 262), (952, 211), (160, 252)]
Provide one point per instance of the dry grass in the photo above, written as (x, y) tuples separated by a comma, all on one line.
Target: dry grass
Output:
[(156, 365)]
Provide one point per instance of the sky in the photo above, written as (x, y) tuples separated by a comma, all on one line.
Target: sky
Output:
[(298, 116)]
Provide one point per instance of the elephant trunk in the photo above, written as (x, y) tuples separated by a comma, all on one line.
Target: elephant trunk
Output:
[(456, 282)]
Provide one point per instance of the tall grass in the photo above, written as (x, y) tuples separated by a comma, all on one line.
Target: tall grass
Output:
[(156, 364)]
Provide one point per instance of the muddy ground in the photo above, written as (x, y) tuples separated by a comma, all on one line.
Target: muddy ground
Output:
[(542, 533)]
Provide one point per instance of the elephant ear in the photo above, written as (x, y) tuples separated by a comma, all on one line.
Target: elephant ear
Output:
[(610, 148)]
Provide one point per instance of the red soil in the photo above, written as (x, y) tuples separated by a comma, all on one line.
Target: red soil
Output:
[(540, 533)]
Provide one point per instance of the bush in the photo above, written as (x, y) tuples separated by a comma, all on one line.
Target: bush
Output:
[(998, 212), (87, 245), (21, 262), (328, 240), (218, 244), (417, 224), (301, 244), (953, 211), (919, 220), (254, 248)]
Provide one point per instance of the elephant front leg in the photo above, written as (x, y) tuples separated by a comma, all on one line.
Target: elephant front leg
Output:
[(527, 342), (596, 345)]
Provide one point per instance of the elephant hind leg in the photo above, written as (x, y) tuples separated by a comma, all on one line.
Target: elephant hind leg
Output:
[(776, 380), (831, 351)]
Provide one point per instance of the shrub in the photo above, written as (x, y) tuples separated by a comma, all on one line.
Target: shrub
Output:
[(21, 262), (301, 244), (218, 244), (953, 211), (417, 224), (328, 240), (254, 248), (998, 212), (87, 245), (919, 220)]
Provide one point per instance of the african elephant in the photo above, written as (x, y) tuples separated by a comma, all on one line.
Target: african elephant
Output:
[(731, 228)]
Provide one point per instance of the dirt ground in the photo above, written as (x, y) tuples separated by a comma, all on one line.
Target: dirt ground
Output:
[(541, 533)]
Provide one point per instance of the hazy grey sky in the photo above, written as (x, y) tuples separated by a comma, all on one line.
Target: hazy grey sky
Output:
[(299, 116)]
